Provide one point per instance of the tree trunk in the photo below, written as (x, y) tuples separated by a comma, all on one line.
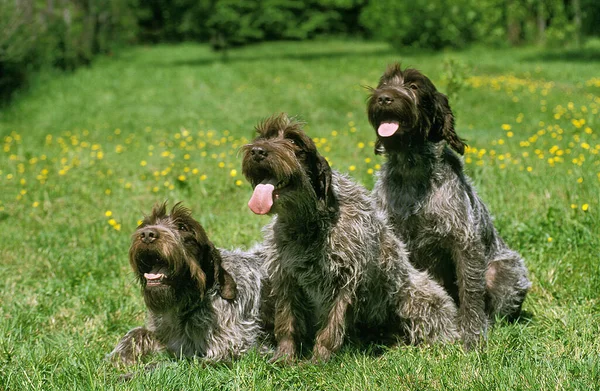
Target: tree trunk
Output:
[(541, 22), (577, 21)]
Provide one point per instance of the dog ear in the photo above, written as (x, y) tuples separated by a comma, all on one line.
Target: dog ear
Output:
[(442, 127), (228, 287), (210, 270), (322, 179)]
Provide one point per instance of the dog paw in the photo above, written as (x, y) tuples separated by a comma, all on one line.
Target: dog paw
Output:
[(285, 354), (320, 354), (120, 358), (472, 341)]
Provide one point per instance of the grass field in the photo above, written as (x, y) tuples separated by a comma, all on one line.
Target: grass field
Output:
[(84, 155)]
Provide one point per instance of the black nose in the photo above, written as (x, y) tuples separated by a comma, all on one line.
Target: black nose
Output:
[(149, 235), (384, 99), (258, 153)]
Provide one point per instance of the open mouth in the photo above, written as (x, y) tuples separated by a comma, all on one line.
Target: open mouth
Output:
[(265, 193), (154, 269)]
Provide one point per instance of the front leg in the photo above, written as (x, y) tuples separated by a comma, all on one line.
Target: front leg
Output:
[(136, 344), (331, 337), (470, 264), (289, 319)]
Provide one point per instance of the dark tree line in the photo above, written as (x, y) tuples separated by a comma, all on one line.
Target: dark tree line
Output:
[(69, 33)]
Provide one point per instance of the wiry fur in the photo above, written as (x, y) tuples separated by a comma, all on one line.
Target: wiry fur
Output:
[(432, 204), (209, 303), (335, 266)]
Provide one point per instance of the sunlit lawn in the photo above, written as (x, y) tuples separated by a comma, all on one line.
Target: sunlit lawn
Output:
[(84, 155)]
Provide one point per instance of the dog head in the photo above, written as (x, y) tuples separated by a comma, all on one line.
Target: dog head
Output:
[(175, 261), (285, 169), (407, 110)]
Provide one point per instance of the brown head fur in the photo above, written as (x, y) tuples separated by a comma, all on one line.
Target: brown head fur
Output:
[(423, 113), (283, 155), (174, 260)]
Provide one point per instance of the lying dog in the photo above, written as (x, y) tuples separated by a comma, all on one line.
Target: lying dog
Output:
[(202, 301)]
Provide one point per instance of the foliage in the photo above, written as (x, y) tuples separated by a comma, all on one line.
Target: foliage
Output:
[(435, 24), (65, 34), (80, 166), (421, 23)]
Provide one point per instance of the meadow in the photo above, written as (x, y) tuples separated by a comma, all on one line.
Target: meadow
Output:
[(85, 155)]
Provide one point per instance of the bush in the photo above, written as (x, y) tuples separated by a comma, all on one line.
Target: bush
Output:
[(67, 34), (421, 23)]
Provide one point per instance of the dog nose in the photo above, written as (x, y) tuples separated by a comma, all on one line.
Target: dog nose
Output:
[(258, 153), (149, 235), (384, 99)]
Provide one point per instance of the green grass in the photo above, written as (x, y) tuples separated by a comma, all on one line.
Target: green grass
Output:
[(86, 154)]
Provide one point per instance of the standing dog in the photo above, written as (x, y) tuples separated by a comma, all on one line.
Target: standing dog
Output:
[(201, 301), (332, 260), (432, 205)]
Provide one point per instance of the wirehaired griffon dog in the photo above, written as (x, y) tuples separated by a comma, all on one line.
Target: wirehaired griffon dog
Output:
[(433, 206), (202, 301), (333, 263)]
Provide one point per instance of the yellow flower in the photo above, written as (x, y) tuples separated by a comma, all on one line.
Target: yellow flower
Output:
[(203, 177), (143, 163), (585, 207), (573, 206), (112, 222), (108, 213), (506, 127), (238, 182), (139, 222), (35, 204), (361, 145), (529, 169), (549, 239), (181, 178), (352, 168), (580, 180), (221, 164), (370, 171), (233, 173)]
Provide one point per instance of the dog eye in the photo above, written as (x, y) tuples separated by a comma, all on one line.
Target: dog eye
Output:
[(292, 141), (414, 86), (182, 227)]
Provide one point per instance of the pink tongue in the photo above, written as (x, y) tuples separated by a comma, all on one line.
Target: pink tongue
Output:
[(386, 129), (150, 276), (262, 199)]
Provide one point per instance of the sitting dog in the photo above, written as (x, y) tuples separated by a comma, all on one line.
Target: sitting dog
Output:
[(334, 264), (433, 206), (202, 301)]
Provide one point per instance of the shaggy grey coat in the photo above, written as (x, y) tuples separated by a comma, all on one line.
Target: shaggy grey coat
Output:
[(433, 206), (334, 264), (202, 301)]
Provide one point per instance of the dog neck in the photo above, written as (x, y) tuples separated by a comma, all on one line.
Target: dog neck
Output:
[(304, 220), (416, 162)]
